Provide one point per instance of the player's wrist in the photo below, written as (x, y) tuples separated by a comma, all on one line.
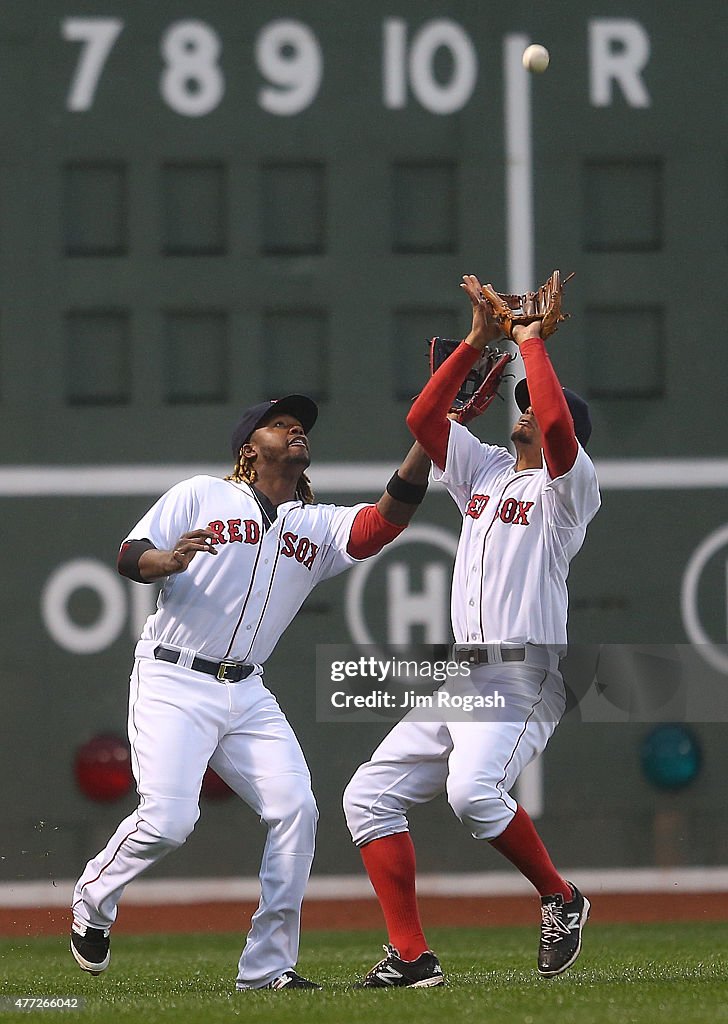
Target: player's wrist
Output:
[(531, 332), (155, 564), (476, 340)]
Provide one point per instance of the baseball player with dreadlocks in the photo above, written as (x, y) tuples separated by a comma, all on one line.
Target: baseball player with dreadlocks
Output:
[(523, 520), (238, 557)]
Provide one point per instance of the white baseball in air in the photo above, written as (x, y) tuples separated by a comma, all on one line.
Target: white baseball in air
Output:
[(535, 58)]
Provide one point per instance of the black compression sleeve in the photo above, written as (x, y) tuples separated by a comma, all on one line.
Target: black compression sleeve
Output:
[(403, 490), (128, 560)]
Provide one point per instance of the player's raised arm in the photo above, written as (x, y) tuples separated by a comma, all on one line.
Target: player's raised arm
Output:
[(377, 525), (547, 400), (428, 417)]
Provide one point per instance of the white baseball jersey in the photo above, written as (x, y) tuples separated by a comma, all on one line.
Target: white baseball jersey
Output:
[(236, 604), (520, 531)]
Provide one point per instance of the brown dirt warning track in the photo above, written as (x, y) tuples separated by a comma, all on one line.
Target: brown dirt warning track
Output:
[(347, 915)]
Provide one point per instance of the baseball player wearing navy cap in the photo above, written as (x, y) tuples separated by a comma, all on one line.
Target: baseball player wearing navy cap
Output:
[(523, 520), (238, 557)]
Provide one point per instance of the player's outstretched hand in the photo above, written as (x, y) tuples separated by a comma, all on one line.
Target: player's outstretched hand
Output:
[(187, 547), (485, 328)]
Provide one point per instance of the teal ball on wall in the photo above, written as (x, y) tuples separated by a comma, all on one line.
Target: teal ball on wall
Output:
[(671, 756)]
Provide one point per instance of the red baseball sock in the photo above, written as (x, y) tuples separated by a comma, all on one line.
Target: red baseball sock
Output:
[(522, 845), (390, 864)]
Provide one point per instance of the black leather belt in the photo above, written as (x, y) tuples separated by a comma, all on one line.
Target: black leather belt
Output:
[(223, 671), (479, 655)]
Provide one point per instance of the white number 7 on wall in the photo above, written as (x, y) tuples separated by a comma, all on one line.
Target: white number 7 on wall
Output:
[(98, 36)]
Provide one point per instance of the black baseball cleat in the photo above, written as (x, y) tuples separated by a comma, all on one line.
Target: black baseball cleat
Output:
[(287, 980), (394, 972), (561, 925), (90, 948)]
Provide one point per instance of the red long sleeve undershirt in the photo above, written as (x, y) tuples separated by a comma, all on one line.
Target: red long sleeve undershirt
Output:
[(427, 419), (370, 531), (549, 407)]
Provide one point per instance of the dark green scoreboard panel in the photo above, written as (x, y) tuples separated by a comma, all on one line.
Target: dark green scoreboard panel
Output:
[(204, 204)]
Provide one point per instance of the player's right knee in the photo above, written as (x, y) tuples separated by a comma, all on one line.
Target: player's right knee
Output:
[(479, 805), (169, 823)]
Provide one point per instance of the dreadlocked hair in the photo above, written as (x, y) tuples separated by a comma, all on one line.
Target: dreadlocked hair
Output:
[(245, 473)]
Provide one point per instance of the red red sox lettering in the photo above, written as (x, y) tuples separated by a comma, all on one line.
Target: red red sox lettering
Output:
[(511, 511), (476, 505), (250, 531), (247, 531)]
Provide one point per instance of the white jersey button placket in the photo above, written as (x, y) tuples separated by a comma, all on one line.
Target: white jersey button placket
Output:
[(255, 608)]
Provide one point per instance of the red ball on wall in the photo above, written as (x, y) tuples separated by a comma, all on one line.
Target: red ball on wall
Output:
[(102, 768)]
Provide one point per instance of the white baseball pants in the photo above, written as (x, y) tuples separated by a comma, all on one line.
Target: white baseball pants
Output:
[(179, 721), (474, 758)]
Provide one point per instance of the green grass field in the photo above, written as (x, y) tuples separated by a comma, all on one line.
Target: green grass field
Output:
[(627, 974)]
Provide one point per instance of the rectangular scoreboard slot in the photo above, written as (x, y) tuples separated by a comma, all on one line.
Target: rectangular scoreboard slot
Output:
[(194, 209), (98, 357), (297, 353), (94, 208), (625, 354), (293, 208), (197, 366), (424, 207), (623, 205)]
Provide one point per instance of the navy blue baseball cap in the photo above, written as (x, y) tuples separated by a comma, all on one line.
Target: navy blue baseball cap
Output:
[(577, 407), (304, 409)]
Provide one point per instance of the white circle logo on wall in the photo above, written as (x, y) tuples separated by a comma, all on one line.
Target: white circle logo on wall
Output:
[(119, 603), (83, 573), (714, 653), (427, 608)]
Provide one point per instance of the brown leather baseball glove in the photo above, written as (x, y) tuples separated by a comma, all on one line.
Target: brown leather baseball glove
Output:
[(545, 305), (480, 386)]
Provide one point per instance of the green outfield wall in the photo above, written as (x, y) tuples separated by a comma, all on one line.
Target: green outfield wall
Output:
[(206, 204)]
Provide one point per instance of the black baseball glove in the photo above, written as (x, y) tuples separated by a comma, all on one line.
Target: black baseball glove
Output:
[(480, 386)]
